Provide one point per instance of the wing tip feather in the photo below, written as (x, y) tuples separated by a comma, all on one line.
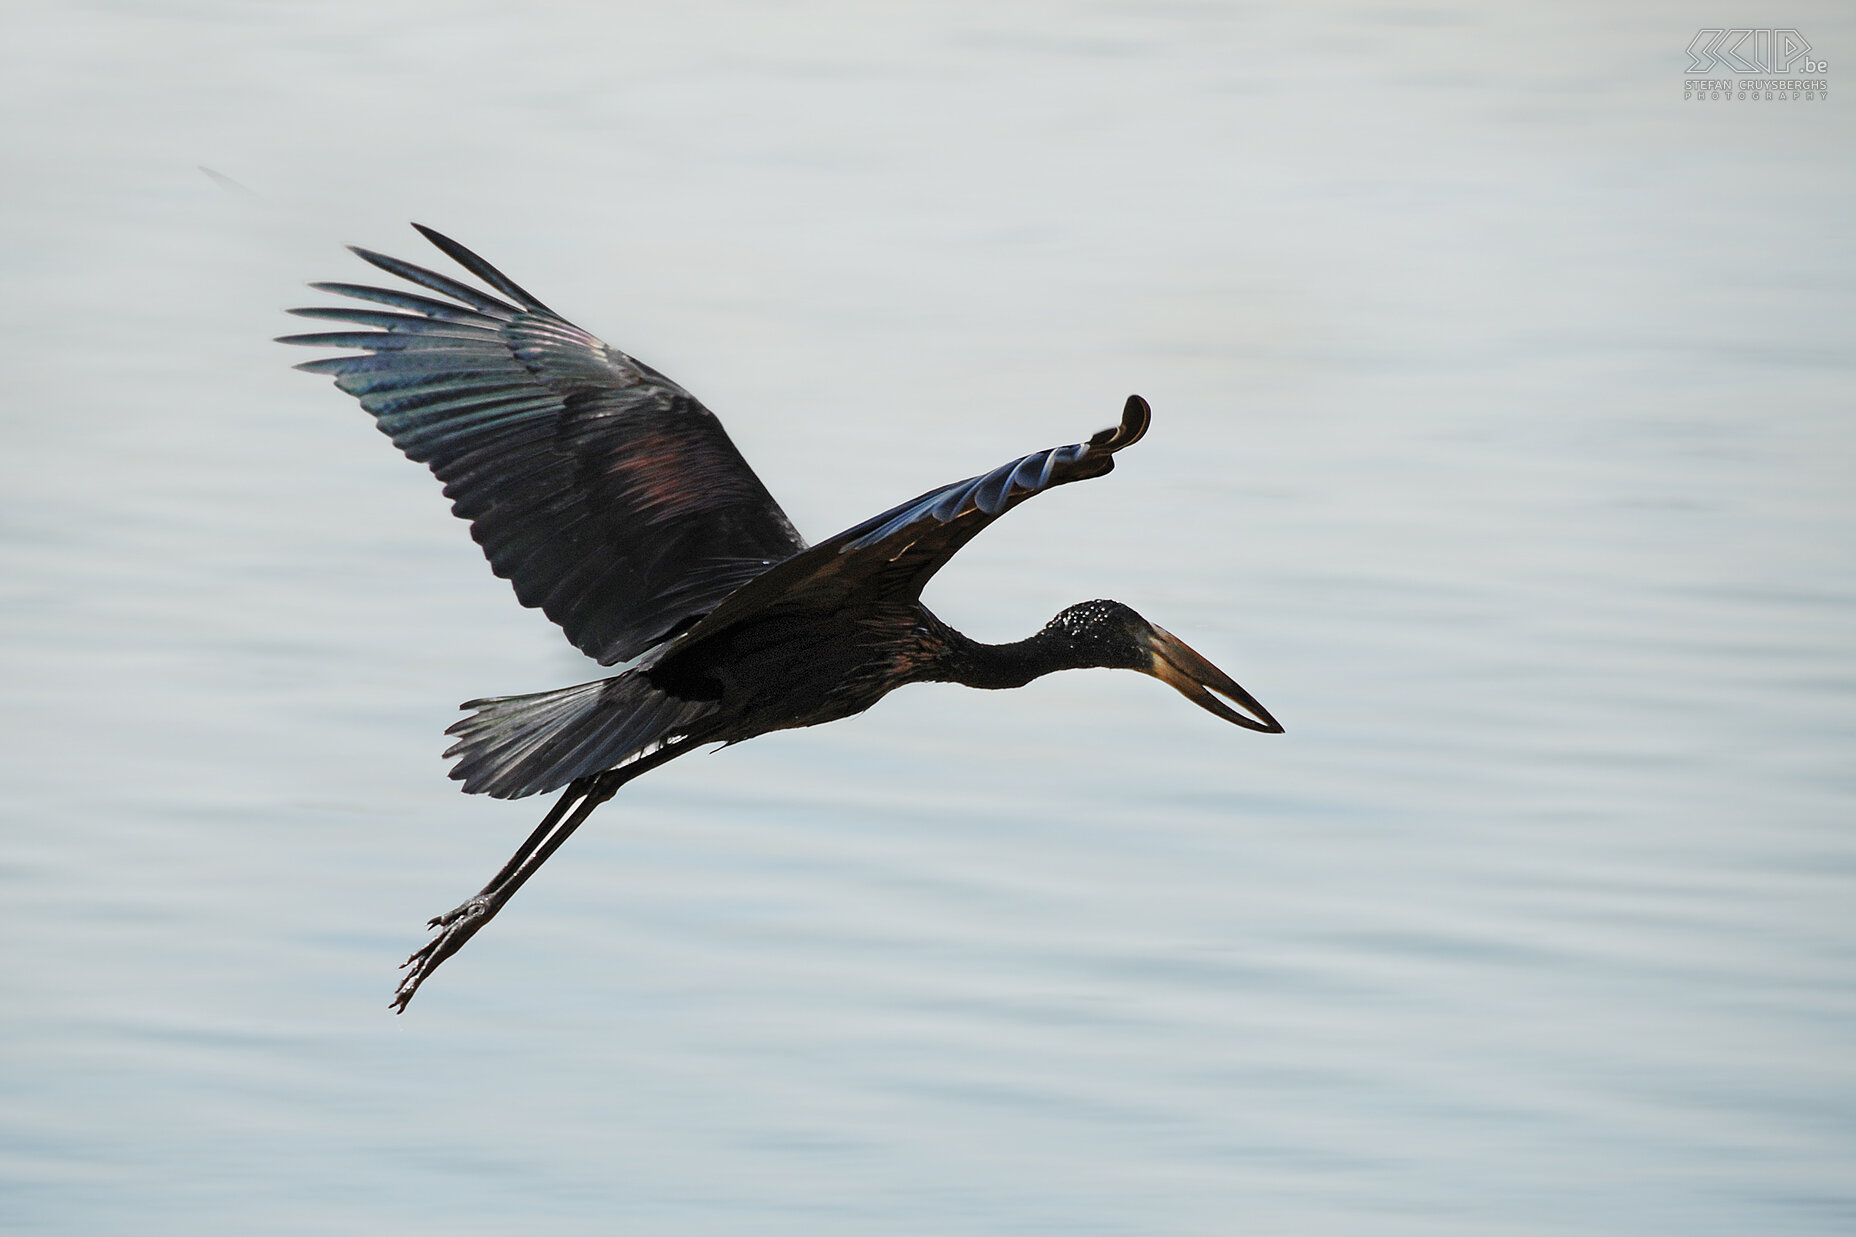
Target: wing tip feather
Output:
[(482, 269)]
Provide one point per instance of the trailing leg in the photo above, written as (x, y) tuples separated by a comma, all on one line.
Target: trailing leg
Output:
[(462, 922)]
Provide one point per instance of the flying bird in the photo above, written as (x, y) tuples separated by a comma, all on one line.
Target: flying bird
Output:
[(615, 502)]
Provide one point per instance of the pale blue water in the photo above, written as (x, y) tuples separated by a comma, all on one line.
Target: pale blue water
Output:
[(1503, 446)]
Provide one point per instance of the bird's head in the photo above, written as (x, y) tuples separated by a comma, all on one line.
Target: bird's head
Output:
[(1108, 633)]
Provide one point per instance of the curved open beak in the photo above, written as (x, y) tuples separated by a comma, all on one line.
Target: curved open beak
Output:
[(1197, 679)]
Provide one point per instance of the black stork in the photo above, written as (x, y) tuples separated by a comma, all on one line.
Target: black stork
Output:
[(614, 501)]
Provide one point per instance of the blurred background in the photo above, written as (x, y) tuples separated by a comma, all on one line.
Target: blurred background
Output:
[(1503, 447)]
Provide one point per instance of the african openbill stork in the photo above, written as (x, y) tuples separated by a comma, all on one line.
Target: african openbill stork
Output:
[(614, 501)]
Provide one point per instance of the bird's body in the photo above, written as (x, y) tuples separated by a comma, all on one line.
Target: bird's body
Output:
[(614, 501)]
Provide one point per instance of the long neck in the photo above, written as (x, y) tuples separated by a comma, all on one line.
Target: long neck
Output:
[(1000, 665)]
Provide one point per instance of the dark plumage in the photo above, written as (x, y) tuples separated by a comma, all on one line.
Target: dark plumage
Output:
[(614, 501)]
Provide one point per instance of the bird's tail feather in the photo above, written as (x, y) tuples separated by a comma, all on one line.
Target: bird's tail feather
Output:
[(513, 746)]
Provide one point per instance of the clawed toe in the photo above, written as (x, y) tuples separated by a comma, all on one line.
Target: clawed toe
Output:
[(454, 928), (419, 955), (473, 907)]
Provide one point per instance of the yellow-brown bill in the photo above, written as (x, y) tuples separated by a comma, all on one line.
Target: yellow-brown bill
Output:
[(1197, 680)]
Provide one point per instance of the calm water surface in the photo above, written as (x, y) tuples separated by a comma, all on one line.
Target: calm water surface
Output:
[(1503, 446)]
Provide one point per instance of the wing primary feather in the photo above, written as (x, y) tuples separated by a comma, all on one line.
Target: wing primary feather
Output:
[(405, 324), (383, 341), (434, 281), (408, 300), (482, 270)]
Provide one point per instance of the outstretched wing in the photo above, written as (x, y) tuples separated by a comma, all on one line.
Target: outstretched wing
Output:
[(603, 491), (889, 558)]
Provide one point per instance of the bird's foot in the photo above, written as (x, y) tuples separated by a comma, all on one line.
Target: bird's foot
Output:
[(454, 928)]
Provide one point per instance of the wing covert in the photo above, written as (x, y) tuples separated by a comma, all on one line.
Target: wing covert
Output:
[(606, 494)]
